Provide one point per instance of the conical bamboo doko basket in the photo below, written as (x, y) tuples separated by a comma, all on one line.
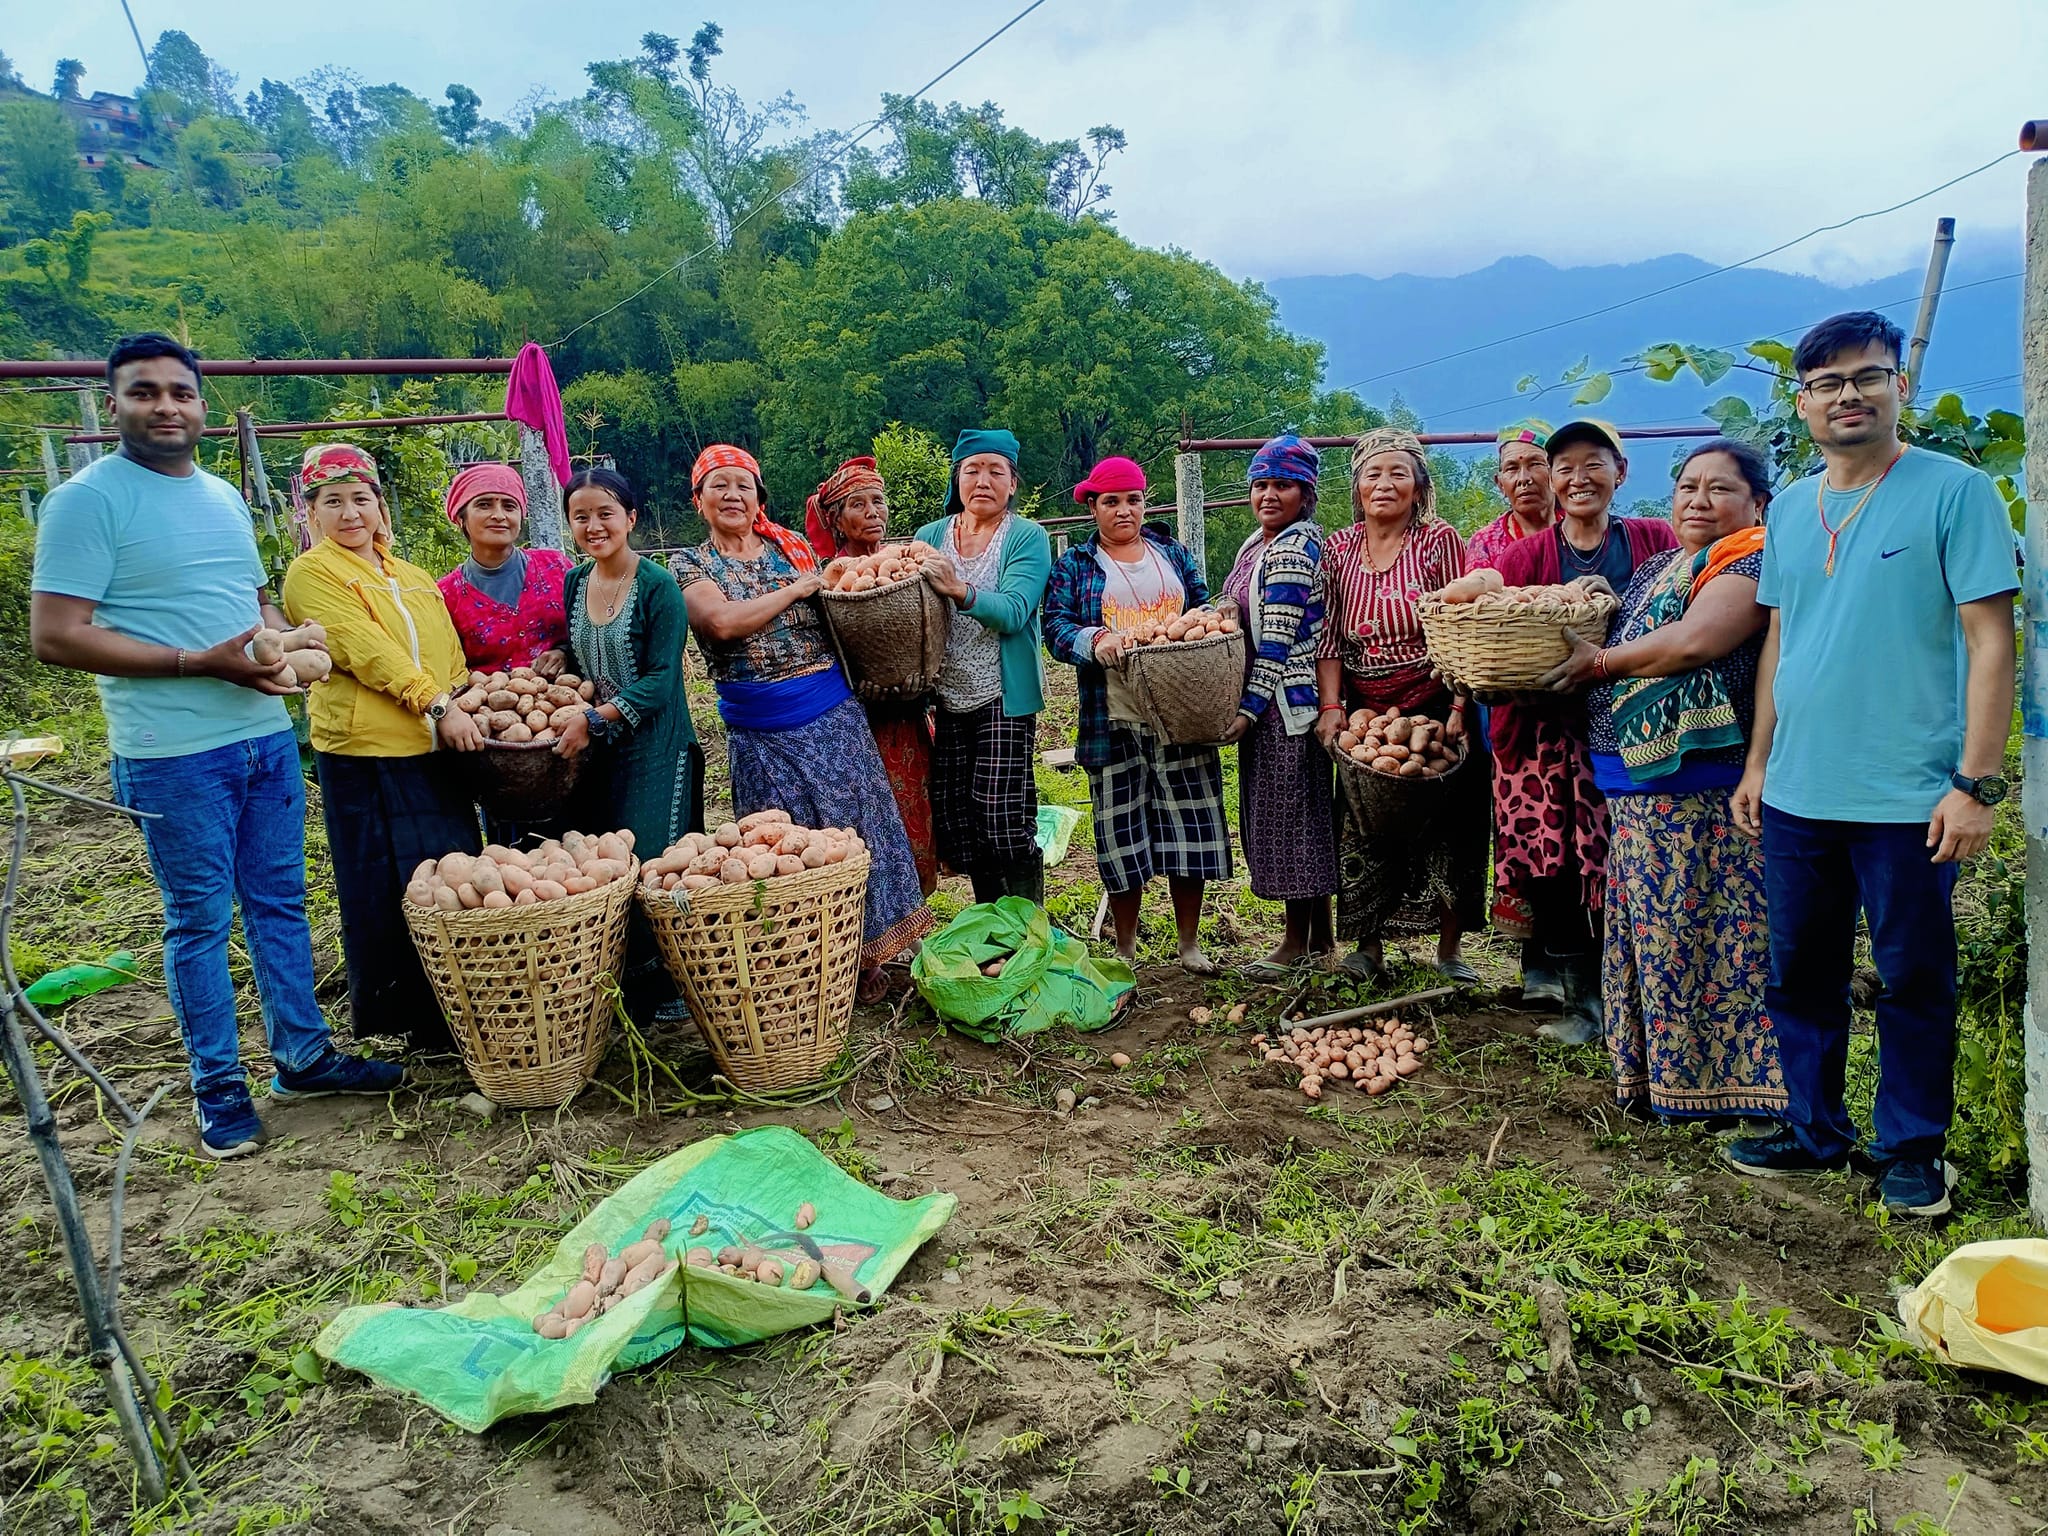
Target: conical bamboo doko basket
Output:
[(769, 967), (525, 988), (1188, 690)]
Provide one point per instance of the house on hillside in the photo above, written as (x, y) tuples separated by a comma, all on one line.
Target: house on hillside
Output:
[(108, 126)]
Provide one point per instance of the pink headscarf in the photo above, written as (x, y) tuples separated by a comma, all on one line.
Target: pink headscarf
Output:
[(474, 480), (1111, 474)]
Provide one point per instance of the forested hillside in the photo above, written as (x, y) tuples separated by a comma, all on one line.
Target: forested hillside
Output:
[(699, 267)]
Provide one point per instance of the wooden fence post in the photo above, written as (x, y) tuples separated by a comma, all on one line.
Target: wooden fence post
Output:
[(2034, 683), (545, 528), (1187, 492)]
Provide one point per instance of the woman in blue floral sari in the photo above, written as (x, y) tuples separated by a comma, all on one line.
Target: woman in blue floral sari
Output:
[(1687, 951)]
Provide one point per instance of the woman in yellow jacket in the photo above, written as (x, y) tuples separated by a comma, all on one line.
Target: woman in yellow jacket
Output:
[(388, 797)]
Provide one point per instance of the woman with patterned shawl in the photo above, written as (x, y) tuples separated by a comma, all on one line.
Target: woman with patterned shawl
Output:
[(1687, 950), (849, 515), (796, 738)]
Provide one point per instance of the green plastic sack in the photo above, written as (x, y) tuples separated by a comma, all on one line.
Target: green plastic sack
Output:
[(1056, 825), (55, 989), (479, 1360), (1048, 976)]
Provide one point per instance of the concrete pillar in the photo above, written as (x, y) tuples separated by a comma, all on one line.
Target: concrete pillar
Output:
[(82, 454), (2034, 683), (1187, 493), (545, 526)]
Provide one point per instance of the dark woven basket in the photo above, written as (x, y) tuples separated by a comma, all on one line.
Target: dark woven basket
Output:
[(1188, 690), (523, 780), (1386, 802), (891, 639)]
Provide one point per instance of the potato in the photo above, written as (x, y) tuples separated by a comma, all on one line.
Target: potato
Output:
[(519, 730), (309, 666), (816, 853), (267, 647), (503, 719), (698, 882), (578, 885), (635, 1254), (789, 864), (496, 899), (805, 1215), (733, 871), (549, 890), (1414, 768), (614, 1273), (419, 893), (727, 835), (699, 1258), (762, 818), (447, 899), (537, 719), (761, 865), (581, 1299), (586, 690), (501, 699), (769, 1272), (559, 696), (804, 1276), (470, 897)]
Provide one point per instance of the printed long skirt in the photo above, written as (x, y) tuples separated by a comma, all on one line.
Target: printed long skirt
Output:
[(903, 735), (384, 816), (1158, 811), (828, 774), (1283, 817), (1687, 955), (1397, 883)]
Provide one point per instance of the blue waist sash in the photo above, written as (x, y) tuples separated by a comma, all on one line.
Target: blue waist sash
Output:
[(783, 705)]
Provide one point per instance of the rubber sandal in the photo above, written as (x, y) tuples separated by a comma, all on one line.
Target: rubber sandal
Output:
[(1363, 967), (1458, 971)]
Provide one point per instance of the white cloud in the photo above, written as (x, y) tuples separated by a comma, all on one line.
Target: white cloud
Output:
[(1316, 135)]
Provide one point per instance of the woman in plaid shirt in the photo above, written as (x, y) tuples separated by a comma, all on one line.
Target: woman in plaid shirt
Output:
[(1158, 808)]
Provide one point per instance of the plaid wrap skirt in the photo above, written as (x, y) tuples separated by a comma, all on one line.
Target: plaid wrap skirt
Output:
[(1158, 811)]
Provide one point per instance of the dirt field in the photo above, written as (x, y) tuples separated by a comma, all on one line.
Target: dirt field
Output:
[(1195, 1304)]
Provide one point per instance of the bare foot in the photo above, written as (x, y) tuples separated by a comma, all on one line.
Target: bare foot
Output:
[(1195, 963), (1286, 955)]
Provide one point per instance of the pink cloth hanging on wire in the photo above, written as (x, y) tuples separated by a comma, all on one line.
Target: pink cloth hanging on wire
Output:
[(532, 400)]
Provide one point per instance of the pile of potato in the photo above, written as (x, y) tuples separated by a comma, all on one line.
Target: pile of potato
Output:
[(1371, 1057), (608, 1279), (522, 706), (796, 1268), (1195, 624), (1485, 590), (305, 663), (887, 566), (762, 846), (508, 877), (1409, 746)]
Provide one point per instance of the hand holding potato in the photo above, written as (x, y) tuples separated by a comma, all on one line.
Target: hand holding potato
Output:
[(231, 662), (573, 737), (458, 729), (551, 664), (1110, 646)]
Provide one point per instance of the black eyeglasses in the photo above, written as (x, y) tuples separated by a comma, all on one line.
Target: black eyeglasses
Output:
[(1865, 381)]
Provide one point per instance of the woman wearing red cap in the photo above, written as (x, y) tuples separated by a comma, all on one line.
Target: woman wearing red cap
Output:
[(849, 515), (1158, 808), (506, 601)]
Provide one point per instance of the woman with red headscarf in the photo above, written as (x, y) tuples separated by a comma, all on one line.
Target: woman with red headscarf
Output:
[(849, 515), (506, 601)]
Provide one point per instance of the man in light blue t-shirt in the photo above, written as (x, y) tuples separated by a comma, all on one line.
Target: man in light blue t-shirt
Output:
[(147, 575), (1884, 697)]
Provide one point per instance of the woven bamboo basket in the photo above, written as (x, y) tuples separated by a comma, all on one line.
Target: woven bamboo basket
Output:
[(524, 988), (893, 638), (1187, 691), (1494, 646), (522, 781), (769, 968), (1386, 802)]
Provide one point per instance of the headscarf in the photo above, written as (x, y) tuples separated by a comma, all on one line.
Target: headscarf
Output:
[(822, 508), (1530, 429), (1286, 457), (725, 456), (334, 463), (1389, 440), (973, 440), (1112, 474), (485, 479)]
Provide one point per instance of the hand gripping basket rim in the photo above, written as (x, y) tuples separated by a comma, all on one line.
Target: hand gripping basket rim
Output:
[(1493, 647), (774, 1019), (876, 640), (1180, 713), (542, 792), (531, 1031)]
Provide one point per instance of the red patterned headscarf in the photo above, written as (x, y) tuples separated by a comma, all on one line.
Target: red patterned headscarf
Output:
[(334, 463), (821, 510), (486, 478), (725, 456)]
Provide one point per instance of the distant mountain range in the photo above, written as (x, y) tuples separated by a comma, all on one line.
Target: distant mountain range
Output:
[(1376, 329)]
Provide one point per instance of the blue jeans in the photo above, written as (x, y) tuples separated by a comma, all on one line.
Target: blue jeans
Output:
[(1816, 875), (231, 831)]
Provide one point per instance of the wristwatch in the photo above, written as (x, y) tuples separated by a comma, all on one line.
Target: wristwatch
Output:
[(437, 709), (599, 726), (1989, 790)]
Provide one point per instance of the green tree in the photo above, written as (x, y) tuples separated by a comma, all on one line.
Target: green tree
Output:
[(284, 119), (956, 151), (65, 86), (181, 73), (39, 154), (461, 117), (918, 469)]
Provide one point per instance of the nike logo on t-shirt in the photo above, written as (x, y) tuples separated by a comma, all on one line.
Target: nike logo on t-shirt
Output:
[(1886, 554)]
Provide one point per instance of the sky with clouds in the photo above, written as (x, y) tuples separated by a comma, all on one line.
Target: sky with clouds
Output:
[(1307, 136)]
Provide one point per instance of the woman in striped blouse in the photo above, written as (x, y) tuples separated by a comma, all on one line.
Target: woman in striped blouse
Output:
[(1428, 874)]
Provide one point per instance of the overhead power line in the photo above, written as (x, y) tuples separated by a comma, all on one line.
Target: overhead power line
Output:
[(807, 177)]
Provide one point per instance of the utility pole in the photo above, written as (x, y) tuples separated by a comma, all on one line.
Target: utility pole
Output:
[(1930, 296), (2034, 679)]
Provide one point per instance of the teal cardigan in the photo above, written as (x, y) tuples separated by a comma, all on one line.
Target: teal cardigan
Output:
[(1011, 609)]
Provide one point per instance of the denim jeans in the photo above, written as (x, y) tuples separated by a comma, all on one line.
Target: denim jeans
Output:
[(231, 831), (1816, 875)]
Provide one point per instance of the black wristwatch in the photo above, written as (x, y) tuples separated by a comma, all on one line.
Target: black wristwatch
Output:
[(1989, 790), (599, 726)]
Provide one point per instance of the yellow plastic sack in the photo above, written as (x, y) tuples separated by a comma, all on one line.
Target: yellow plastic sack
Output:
[(1986, 1306)]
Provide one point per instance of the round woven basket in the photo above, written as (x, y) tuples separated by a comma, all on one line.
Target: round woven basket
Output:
[(1385, 802), (522, 780), (524, 988), (1187, 691), (769, 968), (1490, 645), (893, 638)]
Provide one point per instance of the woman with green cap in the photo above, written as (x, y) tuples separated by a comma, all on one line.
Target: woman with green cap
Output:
[(992, 686)]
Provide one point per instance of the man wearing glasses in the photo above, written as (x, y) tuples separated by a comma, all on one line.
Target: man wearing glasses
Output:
[(1884, 697)]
